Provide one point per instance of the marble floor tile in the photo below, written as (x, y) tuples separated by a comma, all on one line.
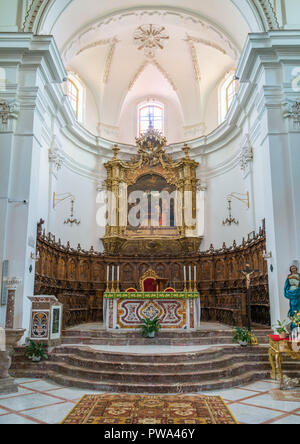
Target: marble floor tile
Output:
[(231, 394), (15, 419), (74, 394), (251, 415), (42, 386), (54, 414), (262, 386), (269, 402), (27, 402), (290, 420)]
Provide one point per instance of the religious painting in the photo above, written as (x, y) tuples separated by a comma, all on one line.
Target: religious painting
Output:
[(154, 201)]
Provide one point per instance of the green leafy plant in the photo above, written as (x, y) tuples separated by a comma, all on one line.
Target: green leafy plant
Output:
[(150, 326), (281, 327), (242, 335), (35, 351)]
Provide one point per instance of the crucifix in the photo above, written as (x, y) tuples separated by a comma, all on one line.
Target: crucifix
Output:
[(248, 272)]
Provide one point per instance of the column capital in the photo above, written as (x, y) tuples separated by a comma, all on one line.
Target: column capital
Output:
[(9, 111), (13, 283), (291, 110)]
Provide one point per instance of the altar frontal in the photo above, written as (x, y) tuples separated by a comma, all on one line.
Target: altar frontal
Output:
[(175, 310)]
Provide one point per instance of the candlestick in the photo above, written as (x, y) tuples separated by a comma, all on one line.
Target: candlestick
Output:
[(195, 279)]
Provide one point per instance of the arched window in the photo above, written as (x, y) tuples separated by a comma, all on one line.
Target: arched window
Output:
[(228, 90), (76, 94), (150, 115), (73, 94)]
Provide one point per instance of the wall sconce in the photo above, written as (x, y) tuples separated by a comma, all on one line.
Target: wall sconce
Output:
[(230, 220), (245, 198), (58, 199), (35, 257)]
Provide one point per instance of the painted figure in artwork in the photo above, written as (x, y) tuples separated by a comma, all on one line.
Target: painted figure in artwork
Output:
[(292, 290)]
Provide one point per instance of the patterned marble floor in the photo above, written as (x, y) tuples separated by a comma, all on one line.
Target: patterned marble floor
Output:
[(42, 402)]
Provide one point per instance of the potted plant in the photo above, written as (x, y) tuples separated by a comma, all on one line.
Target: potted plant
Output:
[(150, 327), (281, 329), (36, 351), (242, 336)]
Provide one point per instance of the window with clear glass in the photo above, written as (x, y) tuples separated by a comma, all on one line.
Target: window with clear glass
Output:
[(73, 94), (227, 92), (230, 93), (150, 115)]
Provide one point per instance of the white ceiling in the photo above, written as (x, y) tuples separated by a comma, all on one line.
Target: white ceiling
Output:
[(96, 41)]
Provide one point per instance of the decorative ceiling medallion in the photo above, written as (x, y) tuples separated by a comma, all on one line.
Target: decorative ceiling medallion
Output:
[(149, 38)]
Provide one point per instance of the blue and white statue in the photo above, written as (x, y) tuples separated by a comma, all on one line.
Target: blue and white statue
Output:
[(292, 290)]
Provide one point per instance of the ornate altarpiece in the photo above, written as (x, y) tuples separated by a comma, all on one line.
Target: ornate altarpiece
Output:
[(153, 165)]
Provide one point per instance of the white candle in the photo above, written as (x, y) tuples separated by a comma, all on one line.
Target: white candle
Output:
[(107, 273), (118, 273), (184, 273), (195, 273), (113, 273), (190, 273)]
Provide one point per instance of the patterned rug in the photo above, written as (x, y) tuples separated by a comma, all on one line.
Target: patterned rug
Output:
[(139, 409)]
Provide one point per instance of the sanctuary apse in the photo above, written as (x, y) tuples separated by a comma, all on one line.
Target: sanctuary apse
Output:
[(218, 85)]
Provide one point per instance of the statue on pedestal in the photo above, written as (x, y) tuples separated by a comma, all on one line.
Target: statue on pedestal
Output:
[(292, 290)]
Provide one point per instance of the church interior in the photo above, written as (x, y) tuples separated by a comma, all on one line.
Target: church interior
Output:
[(149, 212)]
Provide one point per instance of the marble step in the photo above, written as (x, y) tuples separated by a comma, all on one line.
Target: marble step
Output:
[(162, 334), (119, 387), (153, 376), (180, 367), (126, 341)]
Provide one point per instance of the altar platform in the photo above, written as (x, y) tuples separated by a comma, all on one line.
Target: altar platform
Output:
[(178, 311)]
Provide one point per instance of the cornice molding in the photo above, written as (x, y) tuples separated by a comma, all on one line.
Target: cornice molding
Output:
[(268, 13)]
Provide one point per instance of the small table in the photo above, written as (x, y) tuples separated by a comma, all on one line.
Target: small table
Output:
[(279, 347)]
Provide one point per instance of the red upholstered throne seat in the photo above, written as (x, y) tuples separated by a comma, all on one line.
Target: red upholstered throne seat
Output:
[(170, 290), (150, 285), (149, 282), (131, 290)]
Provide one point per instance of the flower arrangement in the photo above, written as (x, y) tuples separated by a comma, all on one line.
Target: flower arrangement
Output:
[(281, 328), (296, 319)]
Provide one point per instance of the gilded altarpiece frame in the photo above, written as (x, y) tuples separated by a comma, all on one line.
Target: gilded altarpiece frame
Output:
[(152, 160)]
